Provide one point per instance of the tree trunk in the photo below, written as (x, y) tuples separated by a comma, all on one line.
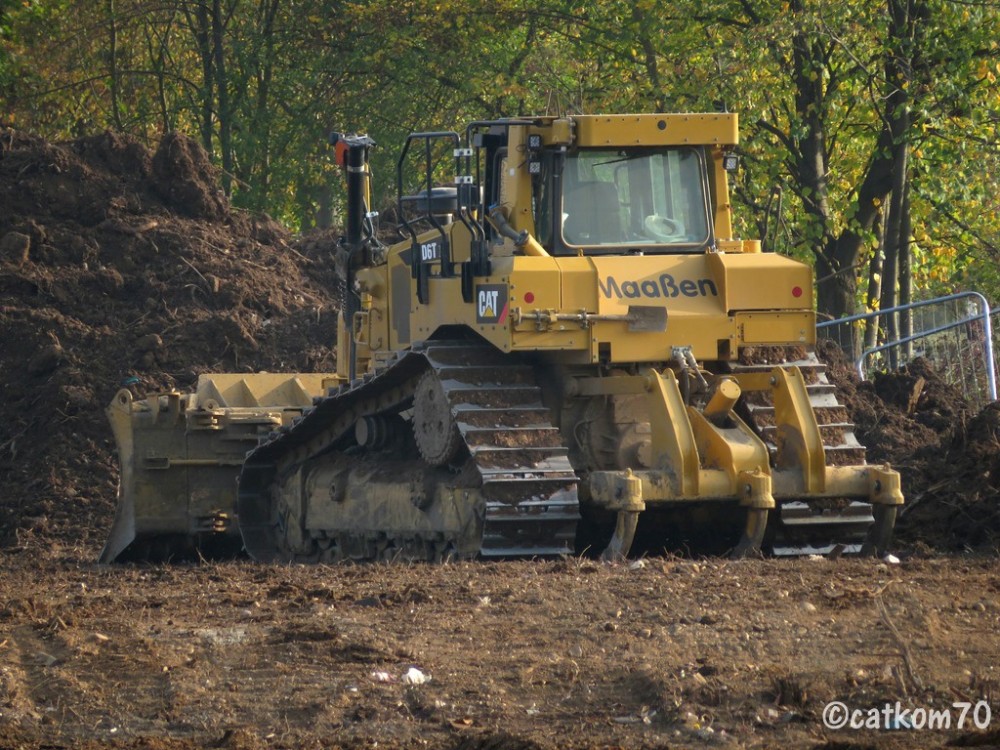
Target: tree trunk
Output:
[(201, 27), (115, 75), (905, 266), (222, 86), (641, 21), (898, 76), (156, 45), (893, 242), (324, 215), (261, 168), (875, 271), (837, 288), (836, 295), (837, 257)]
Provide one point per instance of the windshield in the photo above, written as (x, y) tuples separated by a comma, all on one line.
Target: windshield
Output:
[(647, 196)]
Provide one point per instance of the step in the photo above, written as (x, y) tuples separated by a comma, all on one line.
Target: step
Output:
[(519, 460), (485, 375), (473, 416), (480, 438), (796, 514), (474, 396)]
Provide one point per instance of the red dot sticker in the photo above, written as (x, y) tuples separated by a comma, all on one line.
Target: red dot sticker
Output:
[(529, 297), (796, 291)]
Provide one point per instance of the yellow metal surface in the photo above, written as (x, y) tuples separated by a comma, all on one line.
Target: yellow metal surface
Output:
[(531, 247), (715, 485), (460, 239), (736, 451), (673, 439), (657, 130), (709, 297), (800, 444), (720, 405), (517, 197), (762, 281), (447, 307), (780, 328), (754, 489), (577, 288), (699, 292), (557, 132), (719, 190), (702, 458), (714, 456), (884, 486), (224, 390), (535, 284), (753, 381)]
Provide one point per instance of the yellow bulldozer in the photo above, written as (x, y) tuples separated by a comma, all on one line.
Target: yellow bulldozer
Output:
[(566, 351)]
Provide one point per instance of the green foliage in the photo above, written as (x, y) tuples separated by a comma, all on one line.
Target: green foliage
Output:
[(826, 92), (6, 62)]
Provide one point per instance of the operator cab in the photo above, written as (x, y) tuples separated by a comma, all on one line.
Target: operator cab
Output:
[(564, 186), (642, 199)]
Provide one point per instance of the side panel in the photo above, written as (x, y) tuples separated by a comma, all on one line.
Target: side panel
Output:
[(399, 304), (684, 285), (762, 281), (582, 304), (706, 298), (488, 314)]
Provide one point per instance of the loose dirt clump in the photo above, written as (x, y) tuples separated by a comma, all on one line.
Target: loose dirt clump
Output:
[(955, 507), (186, 180)]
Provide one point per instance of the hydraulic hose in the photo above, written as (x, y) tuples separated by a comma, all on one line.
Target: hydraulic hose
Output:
[(528, 244)]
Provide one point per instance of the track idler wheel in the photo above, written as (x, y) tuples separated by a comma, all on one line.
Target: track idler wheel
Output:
[(434, 428), (753, 535), (880, 533)]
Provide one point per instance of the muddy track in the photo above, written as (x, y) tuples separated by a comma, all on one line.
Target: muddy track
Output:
[(801, 529), (493, 425)]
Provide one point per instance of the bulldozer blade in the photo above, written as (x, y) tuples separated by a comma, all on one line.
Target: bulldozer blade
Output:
[(180, 455), (122, 532)]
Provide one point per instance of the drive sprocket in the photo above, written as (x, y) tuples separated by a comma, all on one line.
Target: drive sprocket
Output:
[(434, 427)]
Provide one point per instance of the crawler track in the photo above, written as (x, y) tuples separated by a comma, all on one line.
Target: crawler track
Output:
[(527, 480), (819, 526), (526, 496)]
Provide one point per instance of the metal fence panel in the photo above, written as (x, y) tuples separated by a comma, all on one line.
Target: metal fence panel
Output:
[(954, 333)]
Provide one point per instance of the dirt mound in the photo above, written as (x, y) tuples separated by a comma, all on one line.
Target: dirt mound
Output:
[(122, 267), (949, 458), (955, 506)]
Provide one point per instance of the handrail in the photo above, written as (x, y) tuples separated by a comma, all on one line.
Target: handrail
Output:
[(984, 315), (899, 308)]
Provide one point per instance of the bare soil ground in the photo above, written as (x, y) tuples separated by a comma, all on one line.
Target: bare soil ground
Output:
[(663, 653), (120, 267)]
